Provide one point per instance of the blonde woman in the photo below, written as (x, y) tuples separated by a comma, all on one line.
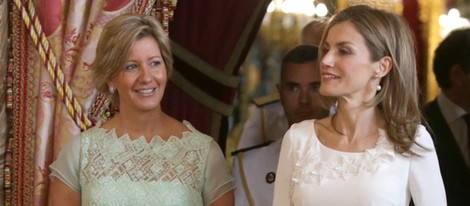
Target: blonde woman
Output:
[(141, 156)]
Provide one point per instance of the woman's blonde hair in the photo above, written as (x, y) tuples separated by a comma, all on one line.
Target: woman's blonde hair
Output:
[(116, 40), (387, 34)]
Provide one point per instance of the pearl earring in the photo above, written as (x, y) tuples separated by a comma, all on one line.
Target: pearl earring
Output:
[(379, 87), (111, 89)]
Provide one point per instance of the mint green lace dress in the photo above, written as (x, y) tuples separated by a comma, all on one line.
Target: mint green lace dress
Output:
[(110, 170)]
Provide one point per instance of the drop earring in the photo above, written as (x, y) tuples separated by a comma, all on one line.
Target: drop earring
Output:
[(378, 86)]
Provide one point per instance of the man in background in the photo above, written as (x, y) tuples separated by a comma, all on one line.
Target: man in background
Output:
[(254, 167), (449, 115), (267, 120)]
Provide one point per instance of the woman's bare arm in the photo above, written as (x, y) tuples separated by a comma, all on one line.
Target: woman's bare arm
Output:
[(61, 194), (225, 200)]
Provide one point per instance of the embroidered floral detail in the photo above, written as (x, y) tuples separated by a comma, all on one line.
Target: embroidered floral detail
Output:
[(311, 169)]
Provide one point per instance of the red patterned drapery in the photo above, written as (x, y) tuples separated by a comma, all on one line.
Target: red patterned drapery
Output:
[(52, 44), (3, 85)]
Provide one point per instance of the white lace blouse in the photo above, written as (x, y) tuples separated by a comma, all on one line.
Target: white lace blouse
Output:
[(310, 173)]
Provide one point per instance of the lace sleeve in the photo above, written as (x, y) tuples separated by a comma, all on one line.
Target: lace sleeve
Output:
[(425, 180), (66, 167), (217, 177)]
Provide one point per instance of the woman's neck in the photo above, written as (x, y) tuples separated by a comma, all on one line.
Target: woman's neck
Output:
[(354, 122)]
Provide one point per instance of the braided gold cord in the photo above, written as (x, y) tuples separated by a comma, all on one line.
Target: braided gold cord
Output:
[(48, 57)]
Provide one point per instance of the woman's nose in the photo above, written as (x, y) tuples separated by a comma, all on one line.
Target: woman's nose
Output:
[(327, 60), (144, 75)]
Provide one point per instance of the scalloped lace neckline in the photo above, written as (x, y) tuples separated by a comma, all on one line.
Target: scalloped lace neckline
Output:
[(141, 139)]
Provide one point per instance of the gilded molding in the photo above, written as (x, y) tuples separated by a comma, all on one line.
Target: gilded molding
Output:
[(394, 6)]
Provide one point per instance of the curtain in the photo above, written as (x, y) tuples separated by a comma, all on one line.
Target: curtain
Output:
[(210, 41), (51, 85), (3, 90)]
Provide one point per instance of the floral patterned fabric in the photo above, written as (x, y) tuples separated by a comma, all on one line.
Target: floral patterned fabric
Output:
[(72, 29)]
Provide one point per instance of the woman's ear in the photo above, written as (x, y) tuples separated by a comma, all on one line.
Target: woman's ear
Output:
[(385, 65)]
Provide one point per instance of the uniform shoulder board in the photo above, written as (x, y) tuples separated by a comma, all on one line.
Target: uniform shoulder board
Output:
[(267, 99), (251, 148)]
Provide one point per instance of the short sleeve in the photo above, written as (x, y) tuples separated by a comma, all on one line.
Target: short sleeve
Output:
[(67, 166), (217, 177), (426, 185)]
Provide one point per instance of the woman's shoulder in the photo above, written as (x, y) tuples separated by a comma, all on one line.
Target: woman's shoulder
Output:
[(306, 124), (96, 131), (302, 131), (423, 137), (309, 127), (182, 130), (194, 133)]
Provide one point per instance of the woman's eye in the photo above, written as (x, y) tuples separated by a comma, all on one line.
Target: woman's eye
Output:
[(131, 66), (344, 51), (155, 63)]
